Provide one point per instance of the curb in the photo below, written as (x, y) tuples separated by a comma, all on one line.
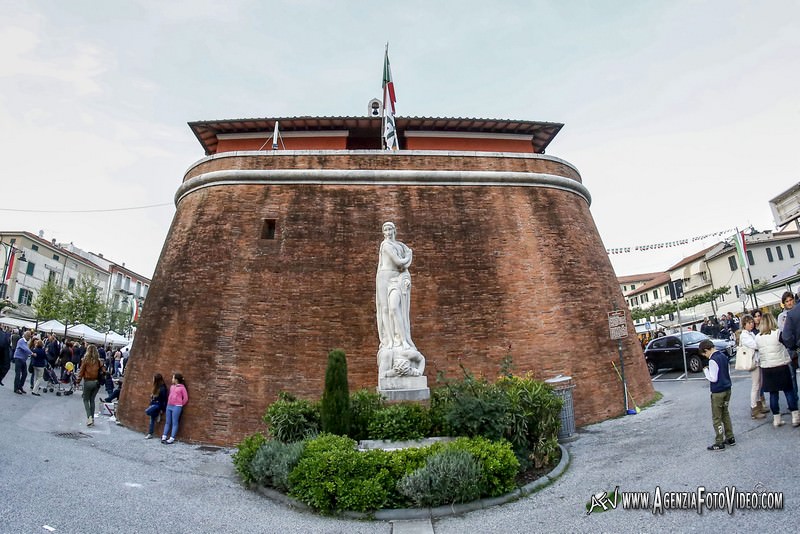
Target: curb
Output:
[(439, 511)]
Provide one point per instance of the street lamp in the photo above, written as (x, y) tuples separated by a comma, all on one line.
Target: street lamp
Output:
[(14, 250)]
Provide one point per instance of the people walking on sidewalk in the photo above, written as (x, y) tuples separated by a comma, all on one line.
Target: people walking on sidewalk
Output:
[(178, 398), (91, 371), (158, 403), (38, 363), (718, 374), (21, 355), (776, 369)]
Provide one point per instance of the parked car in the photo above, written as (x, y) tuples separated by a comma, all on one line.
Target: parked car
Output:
[(665, 352)]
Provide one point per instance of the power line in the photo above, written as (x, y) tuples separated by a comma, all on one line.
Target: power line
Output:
[(90, 211)]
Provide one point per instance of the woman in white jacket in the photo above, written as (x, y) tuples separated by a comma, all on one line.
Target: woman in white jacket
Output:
[(775, 372), (748, 339)]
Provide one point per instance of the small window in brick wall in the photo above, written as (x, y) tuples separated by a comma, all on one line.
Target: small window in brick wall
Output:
[(268, 229)]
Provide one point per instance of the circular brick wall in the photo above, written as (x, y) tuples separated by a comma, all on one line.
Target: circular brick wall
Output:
[(507, 261)]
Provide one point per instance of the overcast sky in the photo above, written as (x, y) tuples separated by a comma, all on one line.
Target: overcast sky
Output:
[(682, 117)]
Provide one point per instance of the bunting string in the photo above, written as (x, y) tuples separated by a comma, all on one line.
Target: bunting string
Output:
[(669, 244)]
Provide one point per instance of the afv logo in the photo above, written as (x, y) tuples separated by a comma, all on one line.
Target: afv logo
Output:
[(603, 501)]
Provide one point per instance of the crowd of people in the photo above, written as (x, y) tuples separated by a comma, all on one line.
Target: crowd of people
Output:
[(774, 344), (91, 367)]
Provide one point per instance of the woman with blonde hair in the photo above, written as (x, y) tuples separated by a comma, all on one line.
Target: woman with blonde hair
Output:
[(748, 339), (91, 372), (775, 371)]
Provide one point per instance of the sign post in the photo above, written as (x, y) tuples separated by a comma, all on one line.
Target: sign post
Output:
[(675, 293), (618, 329)]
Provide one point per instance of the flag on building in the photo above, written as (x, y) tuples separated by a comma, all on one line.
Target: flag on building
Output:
[(9, 262), (741, 248), (389, 130)]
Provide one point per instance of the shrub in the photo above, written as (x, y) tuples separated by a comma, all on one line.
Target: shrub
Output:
[(400, 422), (498, 462), (332, 475), (448, 477), (274, 461), (471, 407), (335, 404), (363, 405), (245, 452), (534, 419), (291, 419)]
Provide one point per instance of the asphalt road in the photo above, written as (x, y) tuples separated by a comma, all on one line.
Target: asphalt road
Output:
[(58, 474)]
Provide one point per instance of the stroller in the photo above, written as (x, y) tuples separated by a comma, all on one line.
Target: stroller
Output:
[(68, 384), (51, 382)]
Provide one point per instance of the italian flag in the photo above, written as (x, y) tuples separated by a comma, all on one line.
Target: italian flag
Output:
[(9, 259), (389, 129), (741, 248)]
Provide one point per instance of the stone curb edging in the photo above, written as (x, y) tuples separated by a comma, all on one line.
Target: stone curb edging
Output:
[(439, 511)]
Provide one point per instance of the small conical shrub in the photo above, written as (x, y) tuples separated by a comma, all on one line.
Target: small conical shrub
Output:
[(335, 405)]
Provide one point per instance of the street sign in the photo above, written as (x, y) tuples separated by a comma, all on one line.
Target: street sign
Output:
[(648, 326), (617, 324)]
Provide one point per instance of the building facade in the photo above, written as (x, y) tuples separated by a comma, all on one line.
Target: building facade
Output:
[(501, 235)]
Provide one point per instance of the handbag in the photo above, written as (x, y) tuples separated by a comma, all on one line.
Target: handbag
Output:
[(745, 360)]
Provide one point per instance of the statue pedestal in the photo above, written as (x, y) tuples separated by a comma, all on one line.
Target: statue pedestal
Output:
[(404, 388)]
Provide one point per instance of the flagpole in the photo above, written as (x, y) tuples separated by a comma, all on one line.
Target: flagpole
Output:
[(383, 102)]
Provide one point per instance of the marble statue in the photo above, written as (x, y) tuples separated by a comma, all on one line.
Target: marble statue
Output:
[(397, 354)]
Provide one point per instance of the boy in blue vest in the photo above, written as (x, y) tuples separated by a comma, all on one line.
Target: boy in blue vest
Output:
[(718, 374)]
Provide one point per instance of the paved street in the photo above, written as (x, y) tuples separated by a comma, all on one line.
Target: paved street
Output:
[(57, 474)]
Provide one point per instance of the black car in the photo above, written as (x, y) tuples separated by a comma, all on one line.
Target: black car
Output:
[(665, 352)]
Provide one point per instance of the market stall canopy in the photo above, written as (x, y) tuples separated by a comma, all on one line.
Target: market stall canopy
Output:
[(116, 339), (13, 321), (53, 326), (87, 333)]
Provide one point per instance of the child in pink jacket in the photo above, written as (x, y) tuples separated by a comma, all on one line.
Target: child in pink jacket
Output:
[(178, 397)]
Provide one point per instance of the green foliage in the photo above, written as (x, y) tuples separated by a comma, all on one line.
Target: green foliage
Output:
[(450, 476), (498, 463), (245, 452), (291, 419), (470, 407), (335, 405), (48, 301), (665, 308), (363, 405), (400, 422), (534, 419), (82, 303), (274, 461)]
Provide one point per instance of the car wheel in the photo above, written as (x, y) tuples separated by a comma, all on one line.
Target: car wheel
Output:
[(652, 368), (695, 364)]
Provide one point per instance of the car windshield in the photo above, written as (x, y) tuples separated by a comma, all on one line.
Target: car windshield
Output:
[(693, 337)]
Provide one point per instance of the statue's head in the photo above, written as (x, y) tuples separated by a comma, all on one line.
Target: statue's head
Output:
[(389, 229)]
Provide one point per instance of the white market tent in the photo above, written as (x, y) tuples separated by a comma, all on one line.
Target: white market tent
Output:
[(116, 339), (87, 333), (13, 321), (53, 326)]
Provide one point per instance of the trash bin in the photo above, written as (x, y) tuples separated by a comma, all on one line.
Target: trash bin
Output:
[(562, 387)]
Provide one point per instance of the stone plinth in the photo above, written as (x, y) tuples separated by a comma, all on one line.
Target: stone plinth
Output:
[(404, 388)]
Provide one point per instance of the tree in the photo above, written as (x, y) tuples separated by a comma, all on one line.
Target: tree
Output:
[(335, 405), (48, 301), (665, 308), (82, 303)]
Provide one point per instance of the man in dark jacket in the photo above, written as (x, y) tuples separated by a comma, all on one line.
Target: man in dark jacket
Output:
[(790, 335)]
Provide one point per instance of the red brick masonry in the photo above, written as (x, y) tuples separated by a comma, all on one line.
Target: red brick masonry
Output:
[(498, 270)]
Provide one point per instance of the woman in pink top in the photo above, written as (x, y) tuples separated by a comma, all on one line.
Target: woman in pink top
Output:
[(178, 397)]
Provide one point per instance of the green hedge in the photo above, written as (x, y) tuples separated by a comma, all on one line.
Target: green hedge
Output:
[(245, 452), (290, 419)]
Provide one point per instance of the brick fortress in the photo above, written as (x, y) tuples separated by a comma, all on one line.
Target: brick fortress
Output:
[(270, 263)]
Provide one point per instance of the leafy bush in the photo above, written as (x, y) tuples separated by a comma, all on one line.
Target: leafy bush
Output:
[(335, 404), (332, 475), (400, 422), (290, 419), (498, 462), (534, 419), (448, 477), (363, 405), (245, 452), (274, 461), (471, 407)]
